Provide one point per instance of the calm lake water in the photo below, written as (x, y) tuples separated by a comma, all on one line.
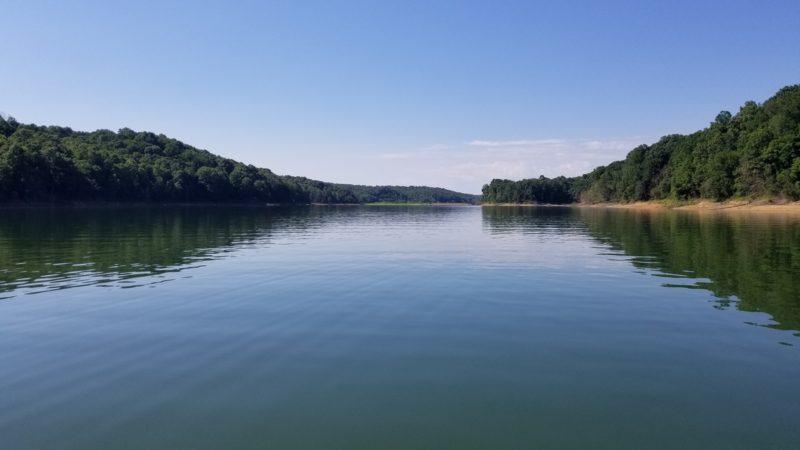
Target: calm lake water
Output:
[(398, 327)]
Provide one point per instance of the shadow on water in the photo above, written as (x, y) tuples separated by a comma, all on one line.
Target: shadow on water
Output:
[(747, 260)]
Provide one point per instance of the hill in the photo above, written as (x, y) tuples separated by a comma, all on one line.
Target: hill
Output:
[(56, 164), (754, 153)]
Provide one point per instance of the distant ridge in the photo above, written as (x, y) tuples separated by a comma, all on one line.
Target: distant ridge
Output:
[(51, 164)]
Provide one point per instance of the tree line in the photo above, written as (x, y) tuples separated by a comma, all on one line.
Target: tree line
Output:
[(754, 153), (57, 164)]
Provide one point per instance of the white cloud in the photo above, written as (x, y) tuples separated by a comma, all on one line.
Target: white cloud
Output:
[(518, 143), (469, 166)]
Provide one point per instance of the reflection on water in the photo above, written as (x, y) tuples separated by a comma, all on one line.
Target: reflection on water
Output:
[(748, 260), (49, 249), (57, 248), (397, 327)]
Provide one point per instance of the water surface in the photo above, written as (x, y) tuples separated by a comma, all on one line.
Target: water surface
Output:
[(397, 327)]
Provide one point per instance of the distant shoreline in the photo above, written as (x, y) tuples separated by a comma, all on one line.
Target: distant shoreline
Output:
[(105, 204)]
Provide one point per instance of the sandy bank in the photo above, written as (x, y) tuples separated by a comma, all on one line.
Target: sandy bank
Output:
[(760, 206)]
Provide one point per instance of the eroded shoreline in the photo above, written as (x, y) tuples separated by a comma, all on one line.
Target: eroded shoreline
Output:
[(754, 206)]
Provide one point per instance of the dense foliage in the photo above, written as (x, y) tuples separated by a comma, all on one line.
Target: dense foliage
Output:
[(53, 164), (755, 153), (532, 190)]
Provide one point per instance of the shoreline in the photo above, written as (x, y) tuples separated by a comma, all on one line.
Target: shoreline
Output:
[(755, 206), (111, 205)]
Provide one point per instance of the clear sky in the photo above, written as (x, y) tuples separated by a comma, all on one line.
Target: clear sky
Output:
[(449, 94)]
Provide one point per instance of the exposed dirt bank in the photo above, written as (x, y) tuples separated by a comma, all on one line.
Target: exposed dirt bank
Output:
[(760, 206)]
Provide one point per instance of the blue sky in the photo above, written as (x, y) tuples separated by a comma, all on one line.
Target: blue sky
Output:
[(451, 94)]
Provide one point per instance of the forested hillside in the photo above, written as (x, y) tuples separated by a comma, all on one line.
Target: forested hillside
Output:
[(754, 153), (57, 164)]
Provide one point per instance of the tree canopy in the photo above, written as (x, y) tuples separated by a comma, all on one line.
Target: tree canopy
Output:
[(57, 164), (754, 153)]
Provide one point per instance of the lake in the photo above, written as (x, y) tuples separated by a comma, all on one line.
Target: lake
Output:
[(398, 327)]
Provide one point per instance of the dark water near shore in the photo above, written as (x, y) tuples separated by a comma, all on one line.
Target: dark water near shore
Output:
[(398, 327)]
